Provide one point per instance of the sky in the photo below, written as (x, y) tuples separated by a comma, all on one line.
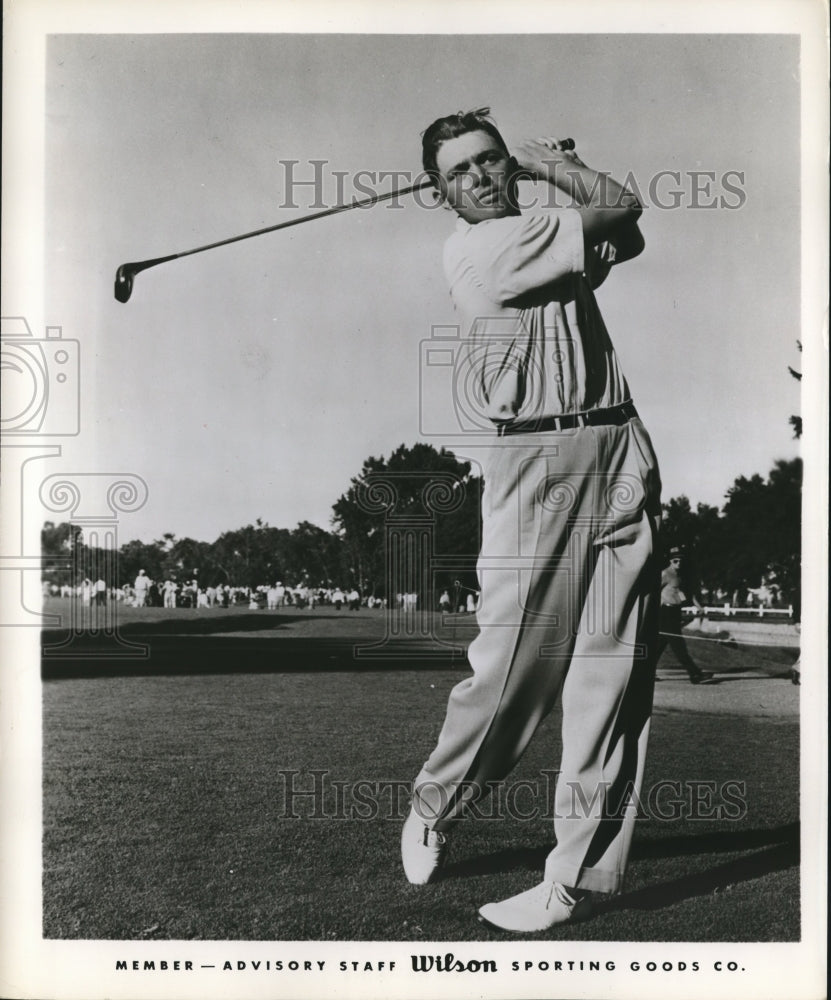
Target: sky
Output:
[(252, 381)]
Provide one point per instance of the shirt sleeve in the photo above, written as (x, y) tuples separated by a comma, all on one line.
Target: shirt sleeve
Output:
[(514, 256), (599, 261)]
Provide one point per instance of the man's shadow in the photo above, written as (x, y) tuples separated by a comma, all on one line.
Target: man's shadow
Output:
[(772, 850)]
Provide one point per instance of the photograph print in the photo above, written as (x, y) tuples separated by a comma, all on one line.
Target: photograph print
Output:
[(411, 434)]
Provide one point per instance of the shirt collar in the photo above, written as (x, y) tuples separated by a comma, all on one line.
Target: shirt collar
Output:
[(462, 225)]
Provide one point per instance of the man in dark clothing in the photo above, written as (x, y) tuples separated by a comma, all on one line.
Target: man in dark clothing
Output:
[(673, 599)]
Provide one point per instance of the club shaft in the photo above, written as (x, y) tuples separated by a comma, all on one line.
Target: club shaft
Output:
[(363, 203)]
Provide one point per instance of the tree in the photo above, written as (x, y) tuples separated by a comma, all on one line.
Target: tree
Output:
[(700, 533), (796, 421), (57, 547), (244, 557), (763, 529), (135, 555), (188, 559), (765, 520), (254, 555), (416, 485), (259, 554), (315, 556), (754, 539)]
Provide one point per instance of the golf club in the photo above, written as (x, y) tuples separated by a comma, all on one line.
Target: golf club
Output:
[(126, 273)]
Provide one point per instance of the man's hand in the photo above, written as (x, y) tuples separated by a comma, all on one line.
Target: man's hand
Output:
[(540, 158), (609, 211)]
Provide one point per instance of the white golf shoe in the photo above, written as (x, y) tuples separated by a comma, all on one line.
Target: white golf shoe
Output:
[(537, 909), (422, 850)]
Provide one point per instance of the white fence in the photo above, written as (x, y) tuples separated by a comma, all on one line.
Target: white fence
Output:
[(727, 611)]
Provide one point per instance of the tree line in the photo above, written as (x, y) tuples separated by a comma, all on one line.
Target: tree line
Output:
[(420, 493)]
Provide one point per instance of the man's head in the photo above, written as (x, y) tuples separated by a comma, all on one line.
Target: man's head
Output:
[(470, 165), (676, 557)]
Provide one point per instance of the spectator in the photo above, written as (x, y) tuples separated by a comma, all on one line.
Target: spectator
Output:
[(169, 591), (141, 587), (673, 598)]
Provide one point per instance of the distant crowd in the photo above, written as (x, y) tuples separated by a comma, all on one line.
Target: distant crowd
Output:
[(170, 593)]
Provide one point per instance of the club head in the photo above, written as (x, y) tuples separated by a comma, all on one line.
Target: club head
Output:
[(124, 282)]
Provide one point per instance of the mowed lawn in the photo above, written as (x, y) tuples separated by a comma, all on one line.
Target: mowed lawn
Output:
[(168, 811)]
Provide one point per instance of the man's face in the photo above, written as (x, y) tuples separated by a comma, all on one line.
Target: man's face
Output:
[(476, 177)]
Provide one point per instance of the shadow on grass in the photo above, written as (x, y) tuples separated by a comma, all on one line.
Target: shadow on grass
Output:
[(780, 675), (773, 850), (732, 676), (731, 679), (220, 621), (508, 860), (177, 655), (780, 851), (716, 842)]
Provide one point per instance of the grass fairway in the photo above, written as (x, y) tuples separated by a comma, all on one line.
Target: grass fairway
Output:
[(166, 814)]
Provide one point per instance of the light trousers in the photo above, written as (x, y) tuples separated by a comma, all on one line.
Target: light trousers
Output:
[(569, 580)]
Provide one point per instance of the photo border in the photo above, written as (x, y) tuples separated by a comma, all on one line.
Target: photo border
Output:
[(35, 967)]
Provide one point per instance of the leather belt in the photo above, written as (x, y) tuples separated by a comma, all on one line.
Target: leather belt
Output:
[(618, 415)]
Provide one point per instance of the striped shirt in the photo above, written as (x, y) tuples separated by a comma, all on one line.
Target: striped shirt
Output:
[(537, 345)]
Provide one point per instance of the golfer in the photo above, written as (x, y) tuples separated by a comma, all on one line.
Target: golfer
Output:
[(571, 511)]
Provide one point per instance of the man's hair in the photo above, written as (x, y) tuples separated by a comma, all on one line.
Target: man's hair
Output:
[(451, 127)]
